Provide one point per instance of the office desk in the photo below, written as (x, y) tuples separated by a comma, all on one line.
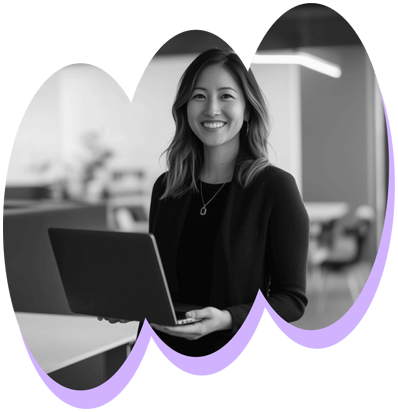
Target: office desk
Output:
[(32, 272), (61, 341)]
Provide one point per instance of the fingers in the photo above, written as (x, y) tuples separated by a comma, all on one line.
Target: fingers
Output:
[(174, 329), (189, 331), (204, 313), (212, 319)]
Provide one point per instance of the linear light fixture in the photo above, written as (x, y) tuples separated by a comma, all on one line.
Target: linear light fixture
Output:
[(302, 59)]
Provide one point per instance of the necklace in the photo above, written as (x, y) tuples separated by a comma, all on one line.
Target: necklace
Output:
[(203, 210)]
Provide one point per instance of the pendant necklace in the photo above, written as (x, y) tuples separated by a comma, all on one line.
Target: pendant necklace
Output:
[(203, 210)]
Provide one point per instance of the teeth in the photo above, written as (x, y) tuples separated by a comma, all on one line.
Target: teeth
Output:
[(213, 125)]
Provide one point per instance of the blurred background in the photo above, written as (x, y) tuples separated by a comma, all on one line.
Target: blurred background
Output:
[(85, 156)]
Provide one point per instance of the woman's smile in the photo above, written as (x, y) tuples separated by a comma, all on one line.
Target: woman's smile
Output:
[(213, 125)]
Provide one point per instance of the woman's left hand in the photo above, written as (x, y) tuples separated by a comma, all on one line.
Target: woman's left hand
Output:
[(212, 319)]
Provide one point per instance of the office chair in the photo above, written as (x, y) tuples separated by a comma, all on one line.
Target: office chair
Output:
[(347, 250), (322, 237)]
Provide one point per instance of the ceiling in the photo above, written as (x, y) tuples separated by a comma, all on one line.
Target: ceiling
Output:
[(303, 26)]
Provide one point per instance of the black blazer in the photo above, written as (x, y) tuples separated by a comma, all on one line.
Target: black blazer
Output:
[(262, 244)]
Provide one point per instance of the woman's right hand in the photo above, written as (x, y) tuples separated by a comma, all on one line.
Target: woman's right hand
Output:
[(113, 320)]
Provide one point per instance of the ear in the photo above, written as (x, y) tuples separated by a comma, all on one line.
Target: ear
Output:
[(246, 117)]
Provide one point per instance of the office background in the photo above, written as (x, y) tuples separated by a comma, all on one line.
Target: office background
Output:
[(81, 139)]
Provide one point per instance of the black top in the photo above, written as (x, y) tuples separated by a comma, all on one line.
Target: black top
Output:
[(262, 244), (196, 248)]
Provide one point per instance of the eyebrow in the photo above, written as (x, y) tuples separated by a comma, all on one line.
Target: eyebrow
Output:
[(221, 88)]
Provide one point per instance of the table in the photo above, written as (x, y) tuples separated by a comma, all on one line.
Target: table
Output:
[(323, 216), (60, 341), (325, 212)]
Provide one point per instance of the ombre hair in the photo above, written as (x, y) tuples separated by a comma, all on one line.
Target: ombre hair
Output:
[(185, 155)]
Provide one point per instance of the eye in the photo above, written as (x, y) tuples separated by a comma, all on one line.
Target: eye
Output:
[(227, 96), (198, 96)]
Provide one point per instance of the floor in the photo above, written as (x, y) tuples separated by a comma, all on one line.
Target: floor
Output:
[(329, 297)]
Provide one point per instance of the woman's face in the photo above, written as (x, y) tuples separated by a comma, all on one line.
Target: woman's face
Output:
[(216, 108)]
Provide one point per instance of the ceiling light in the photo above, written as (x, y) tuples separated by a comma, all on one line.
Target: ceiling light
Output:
[(302, 59)]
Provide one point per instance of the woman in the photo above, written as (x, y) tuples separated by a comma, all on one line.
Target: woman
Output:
[(226, 222)]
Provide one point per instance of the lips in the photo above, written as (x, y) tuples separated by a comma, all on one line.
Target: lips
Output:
[(213, 125)]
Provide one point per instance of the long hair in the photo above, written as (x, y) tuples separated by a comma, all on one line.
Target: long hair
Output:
[(185, 154)]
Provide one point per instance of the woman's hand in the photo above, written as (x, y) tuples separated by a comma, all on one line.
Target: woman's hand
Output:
[(212, 319), (113, 320)]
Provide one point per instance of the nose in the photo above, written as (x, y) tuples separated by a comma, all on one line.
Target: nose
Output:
[(212, 108)]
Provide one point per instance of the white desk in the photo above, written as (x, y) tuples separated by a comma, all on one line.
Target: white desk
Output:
[(324, 212), (57, 341)]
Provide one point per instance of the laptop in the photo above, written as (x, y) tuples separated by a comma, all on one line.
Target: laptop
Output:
[(115, 275)]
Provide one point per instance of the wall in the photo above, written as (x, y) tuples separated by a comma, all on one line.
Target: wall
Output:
[(281, 86), (338, 130), (37, 144), (334, 130), (152, 122)]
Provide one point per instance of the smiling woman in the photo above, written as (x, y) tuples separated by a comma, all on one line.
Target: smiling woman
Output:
[(227, 223)]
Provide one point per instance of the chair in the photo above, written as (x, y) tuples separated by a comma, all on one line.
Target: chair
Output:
[(322, 237), (327, 233), (347, 250)]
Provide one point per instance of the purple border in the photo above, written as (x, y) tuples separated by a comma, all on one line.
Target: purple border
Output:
[(207, 365)]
